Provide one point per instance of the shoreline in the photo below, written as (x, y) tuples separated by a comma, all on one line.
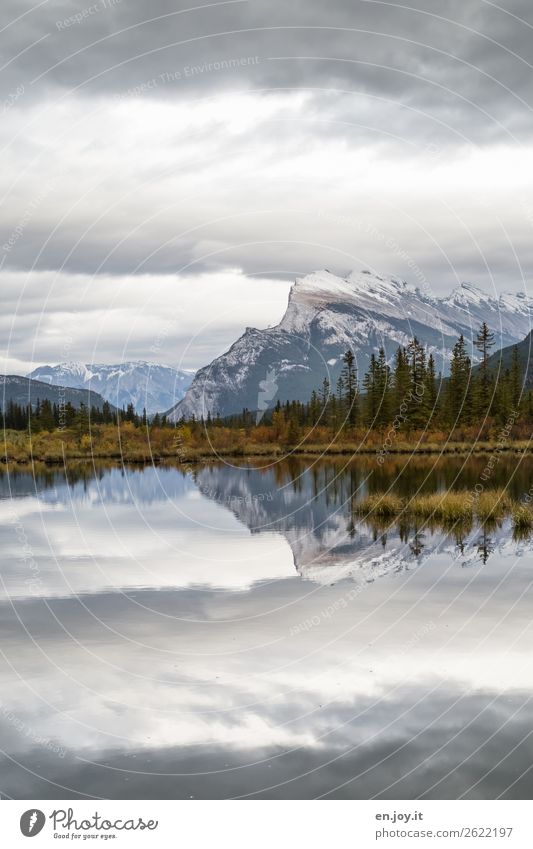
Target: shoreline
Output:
[(270, 452)]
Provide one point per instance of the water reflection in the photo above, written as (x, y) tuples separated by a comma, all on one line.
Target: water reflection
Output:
[(238, 632)]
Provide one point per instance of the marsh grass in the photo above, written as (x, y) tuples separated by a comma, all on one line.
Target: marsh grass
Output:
[(492, 505), (445, 507), (522, 518), (381, 505)]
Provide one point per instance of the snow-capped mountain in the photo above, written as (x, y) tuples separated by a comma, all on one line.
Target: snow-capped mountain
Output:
[(327, 315), (145, 385)]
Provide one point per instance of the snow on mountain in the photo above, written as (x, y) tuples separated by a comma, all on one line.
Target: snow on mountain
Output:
[(145, 385), (327, 315)]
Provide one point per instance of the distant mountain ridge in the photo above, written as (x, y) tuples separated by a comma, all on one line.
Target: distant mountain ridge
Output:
[(327, 315), (25, 391), (143, 384), (500, 361)]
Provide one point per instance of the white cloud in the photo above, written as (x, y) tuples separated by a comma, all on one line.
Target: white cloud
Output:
[(184, 321)]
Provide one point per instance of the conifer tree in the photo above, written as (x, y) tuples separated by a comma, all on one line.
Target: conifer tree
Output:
[(458, 396), (484, 341), (401, 382), (371, 393), (349, 387), (383, 388), (515, 381), (431, 393)]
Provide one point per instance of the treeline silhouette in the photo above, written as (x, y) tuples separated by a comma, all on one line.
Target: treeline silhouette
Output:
[(407, 395), (45, 415)]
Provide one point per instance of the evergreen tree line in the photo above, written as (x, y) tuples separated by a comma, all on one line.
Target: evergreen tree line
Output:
[(412, 395), (407, 394)]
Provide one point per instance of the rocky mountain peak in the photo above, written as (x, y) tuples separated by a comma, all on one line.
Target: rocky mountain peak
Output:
[(328, 314)]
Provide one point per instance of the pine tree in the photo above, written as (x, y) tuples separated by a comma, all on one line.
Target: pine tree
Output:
[(515, 381), (82, 420), (484, 341), (46, 416), (431, 393), (314, 408), (383, 389), (349, 387), (401, 383), (293, 432), (458, 396), (371, 393), (417, 408), (325, 398)]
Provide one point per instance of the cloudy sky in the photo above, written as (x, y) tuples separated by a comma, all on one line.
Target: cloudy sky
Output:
[(169, 168)]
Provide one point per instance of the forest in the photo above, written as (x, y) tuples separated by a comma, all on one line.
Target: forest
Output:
[(394, 407)]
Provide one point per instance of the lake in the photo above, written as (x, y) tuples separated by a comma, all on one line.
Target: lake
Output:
[(236, 631)]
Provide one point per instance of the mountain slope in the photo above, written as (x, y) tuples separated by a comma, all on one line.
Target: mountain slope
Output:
[(23, 391), (145, 385), (327, 315)]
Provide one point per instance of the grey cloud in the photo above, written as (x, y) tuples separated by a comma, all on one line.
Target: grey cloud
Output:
[(403, 83), (481, 53), (48, 318)]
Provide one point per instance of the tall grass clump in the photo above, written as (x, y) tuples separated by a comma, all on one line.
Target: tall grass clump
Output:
[(522, 516), (492, 505), (383, 505), (446, 507)]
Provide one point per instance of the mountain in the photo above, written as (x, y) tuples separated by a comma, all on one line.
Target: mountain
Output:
[(23, 391), (311, 509), (327, 315), (145, 385)]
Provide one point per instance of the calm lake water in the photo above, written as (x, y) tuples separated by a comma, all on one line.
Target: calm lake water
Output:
[(239, 632)]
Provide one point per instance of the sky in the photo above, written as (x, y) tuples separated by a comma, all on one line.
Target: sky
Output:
[(169, 168)]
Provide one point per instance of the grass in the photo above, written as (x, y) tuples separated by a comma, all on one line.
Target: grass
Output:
[(492, 505), (449, 508), (522, 518), (136, 445), (384, 505), (446, 507)]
